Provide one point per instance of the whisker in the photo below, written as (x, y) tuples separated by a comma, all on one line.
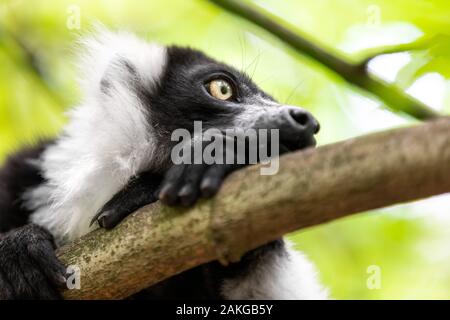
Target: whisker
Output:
[(294, 90)]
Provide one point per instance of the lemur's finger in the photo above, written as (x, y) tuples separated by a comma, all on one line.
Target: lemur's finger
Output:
[(212, 180), (38, 284), (122, 206), (168, 193), (188, 195), (44, 255), (139, 192), (189, 192)]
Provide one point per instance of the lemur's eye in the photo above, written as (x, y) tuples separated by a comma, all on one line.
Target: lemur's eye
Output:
[(220, 89)]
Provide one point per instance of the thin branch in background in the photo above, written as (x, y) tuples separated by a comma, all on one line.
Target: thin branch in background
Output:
[(31, 61), (356, 74), (422, 43)]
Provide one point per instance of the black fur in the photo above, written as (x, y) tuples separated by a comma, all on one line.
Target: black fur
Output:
[(29, 268), (18, 175), (139, 192)]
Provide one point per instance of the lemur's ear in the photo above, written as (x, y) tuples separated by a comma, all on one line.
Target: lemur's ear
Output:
[(108, 56)]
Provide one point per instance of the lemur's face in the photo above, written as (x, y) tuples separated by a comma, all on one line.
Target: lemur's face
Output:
[(195, 87)]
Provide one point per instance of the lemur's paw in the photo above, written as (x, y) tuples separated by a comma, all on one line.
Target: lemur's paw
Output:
[(184, 184), (29, 268), (139, 192), (117, 209)]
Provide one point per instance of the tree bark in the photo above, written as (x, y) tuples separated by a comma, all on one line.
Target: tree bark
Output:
[(312, 187)]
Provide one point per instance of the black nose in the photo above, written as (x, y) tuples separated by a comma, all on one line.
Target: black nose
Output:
[(297, 128), (304, 119)]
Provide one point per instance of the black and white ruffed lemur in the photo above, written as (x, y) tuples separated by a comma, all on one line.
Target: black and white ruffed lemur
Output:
[(113, 157)]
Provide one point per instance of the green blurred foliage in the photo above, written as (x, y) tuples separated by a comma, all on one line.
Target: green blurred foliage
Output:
[(409, 243)]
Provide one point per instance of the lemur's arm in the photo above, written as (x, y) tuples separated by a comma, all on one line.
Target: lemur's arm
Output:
[(140, 191), (29, 268), (182, 184)]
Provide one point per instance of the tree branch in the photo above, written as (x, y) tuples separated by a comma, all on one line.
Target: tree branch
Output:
[(312, 187), (423, 43), (356, 74)]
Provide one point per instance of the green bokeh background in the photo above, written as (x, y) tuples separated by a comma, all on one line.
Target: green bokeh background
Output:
[(409, 243)]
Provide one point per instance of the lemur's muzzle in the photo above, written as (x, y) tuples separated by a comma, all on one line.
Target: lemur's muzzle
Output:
[(296, 126)]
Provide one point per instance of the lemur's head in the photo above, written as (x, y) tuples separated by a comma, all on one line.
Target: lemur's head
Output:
[(171, 87), (195, 87)]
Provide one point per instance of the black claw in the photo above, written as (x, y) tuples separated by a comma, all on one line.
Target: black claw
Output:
[(95, 218), (102, 220), (109, 219), (62, 280), (59, 280), (57, 273)]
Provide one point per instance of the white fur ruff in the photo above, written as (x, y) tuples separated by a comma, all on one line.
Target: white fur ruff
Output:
[(290, 276), (107, 140)]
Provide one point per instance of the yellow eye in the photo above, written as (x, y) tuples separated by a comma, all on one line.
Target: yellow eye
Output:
[(220, 89)]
